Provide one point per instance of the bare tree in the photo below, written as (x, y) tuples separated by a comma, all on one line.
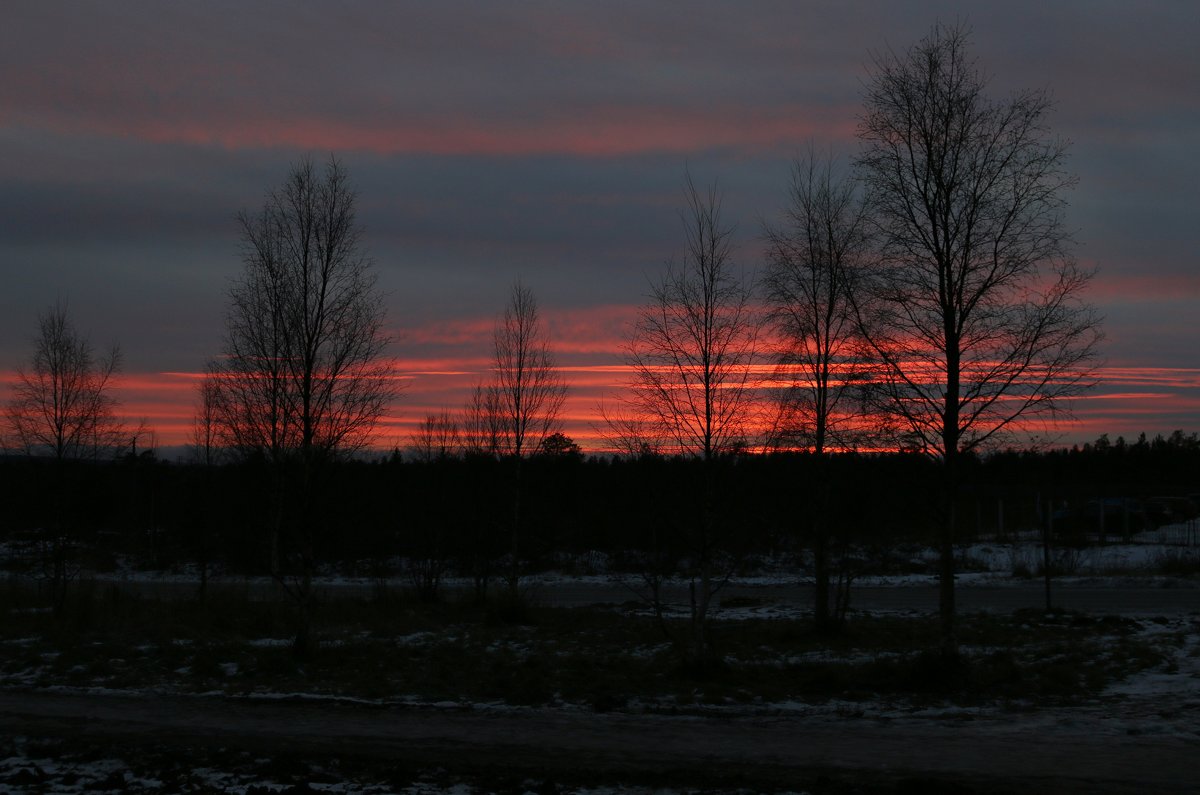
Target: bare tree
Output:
[(302, 372), (692, 353), (528, 396), (206, 451), (695, 342), (63, 408), (481, 422), (206, 429), (529, 386), (437, 437), (978, 317), (626, 430), (482, 430), (814, 261), (302, 379), (436, 440)]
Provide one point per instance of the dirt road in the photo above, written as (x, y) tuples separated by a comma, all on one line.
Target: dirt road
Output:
[(983, 755)]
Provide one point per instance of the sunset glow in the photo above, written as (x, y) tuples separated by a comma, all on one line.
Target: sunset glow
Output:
[(1127, 401), (546, 143)]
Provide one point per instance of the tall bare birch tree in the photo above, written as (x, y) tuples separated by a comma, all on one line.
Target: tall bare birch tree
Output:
[(530, 390), (62, 404), (695, 341), (62, 408), (692, 353), (527, 397), (302, 378), (978, 313), (815, 257)]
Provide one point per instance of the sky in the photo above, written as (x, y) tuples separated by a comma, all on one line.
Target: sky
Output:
[(546, 142)]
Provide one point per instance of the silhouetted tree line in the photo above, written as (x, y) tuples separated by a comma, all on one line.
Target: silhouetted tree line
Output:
[(386, 517)]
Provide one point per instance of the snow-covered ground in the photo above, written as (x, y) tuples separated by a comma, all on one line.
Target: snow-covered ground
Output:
[(980, 563), (1157, 708), (1159, 701)]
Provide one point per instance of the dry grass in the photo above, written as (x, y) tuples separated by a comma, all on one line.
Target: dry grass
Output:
[(395, 649)]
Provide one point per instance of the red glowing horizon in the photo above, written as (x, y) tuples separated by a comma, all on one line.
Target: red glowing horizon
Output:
[(442, 361), (1126, 401)]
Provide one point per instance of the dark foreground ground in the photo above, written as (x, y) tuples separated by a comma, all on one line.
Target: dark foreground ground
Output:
[(68, 742), (125, 691)]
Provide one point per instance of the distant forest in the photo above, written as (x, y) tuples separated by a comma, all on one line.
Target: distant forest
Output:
[(396, 516)]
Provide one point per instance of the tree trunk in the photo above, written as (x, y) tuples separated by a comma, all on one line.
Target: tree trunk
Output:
[(56, 549), (946, 597), (514, 573), (701, 652), (821, 620)]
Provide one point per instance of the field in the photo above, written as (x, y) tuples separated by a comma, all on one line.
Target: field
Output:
[(188, 695)]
